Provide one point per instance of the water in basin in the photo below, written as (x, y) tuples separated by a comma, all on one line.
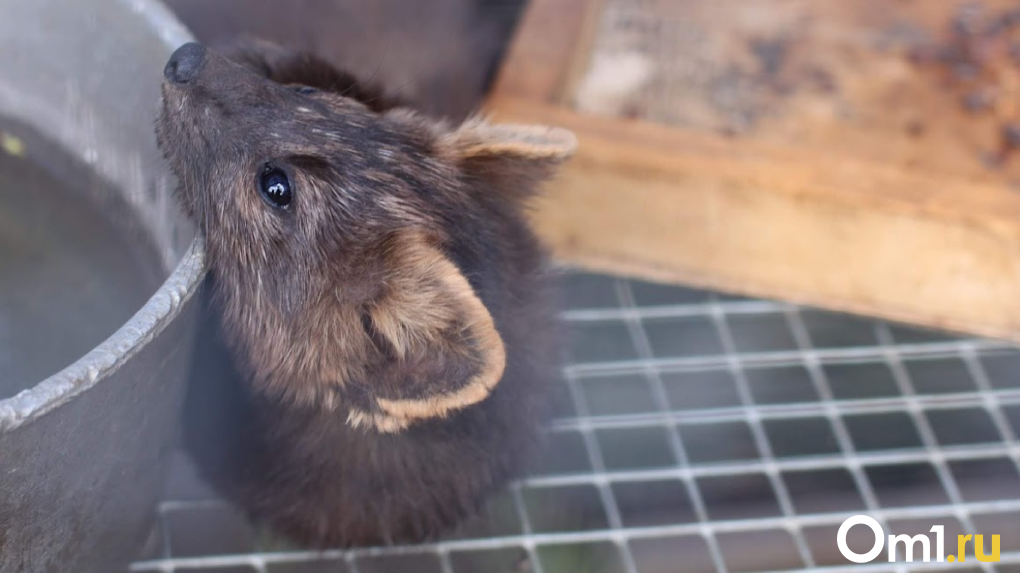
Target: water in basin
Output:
[(71, 269)]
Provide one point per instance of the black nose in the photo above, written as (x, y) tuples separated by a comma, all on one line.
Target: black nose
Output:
[(185, 63)]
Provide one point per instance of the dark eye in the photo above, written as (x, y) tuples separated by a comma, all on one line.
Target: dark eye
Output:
[(275, 187), (304, 90)]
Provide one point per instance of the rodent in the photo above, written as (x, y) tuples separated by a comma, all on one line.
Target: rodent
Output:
[(387, 307)]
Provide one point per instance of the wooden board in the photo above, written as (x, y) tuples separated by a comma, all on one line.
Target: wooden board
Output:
[(821, 74), (860, 183)]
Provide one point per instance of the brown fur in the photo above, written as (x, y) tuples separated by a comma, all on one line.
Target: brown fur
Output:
[(392, 327)]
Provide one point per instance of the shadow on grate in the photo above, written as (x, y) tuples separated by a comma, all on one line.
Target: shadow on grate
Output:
[(698, 433)]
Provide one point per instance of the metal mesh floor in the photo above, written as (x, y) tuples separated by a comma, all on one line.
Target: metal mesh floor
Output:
[(704, 433)]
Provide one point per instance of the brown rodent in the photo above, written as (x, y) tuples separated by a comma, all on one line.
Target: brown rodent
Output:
[(386, 304)]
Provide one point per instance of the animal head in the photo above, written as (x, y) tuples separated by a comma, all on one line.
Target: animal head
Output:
[(327, 210)]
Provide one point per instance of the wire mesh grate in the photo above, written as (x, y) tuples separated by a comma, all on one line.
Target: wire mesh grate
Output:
[(698, 432)]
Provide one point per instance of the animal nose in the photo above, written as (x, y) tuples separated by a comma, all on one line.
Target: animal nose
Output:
[(185, 63)]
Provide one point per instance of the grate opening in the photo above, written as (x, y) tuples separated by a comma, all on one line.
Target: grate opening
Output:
[(702, 433)]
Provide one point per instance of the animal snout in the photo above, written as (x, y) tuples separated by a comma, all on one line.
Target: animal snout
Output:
[(185, 63)]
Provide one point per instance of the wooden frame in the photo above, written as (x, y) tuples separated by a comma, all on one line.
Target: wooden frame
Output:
[(811, 226)]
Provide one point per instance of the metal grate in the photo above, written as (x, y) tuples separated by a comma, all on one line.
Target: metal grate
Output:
[(704, 433)]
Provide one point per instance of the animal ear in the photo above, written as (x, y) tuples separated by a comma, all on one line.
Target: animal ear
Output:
[(438, 347), (514, 158)]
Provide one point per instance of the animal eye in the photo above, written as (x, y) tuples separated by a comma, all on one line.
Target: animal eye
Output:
[(304, 90), (275, 187)]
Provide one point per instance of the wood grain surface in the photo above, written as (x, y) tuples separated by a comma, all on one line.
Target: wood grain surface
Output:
[(804, 225), (792, 149)]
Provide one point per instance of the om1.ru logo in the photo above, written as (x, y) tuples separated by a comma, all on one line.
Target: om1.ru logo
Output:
[(909, 543)]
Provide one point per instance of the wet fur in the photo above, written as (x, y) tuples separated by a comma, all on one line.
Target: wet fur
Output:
[(394, 341)]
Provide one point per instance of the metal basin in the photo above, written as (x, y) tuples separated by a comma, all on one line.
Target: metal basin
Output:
[(97, 274)]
